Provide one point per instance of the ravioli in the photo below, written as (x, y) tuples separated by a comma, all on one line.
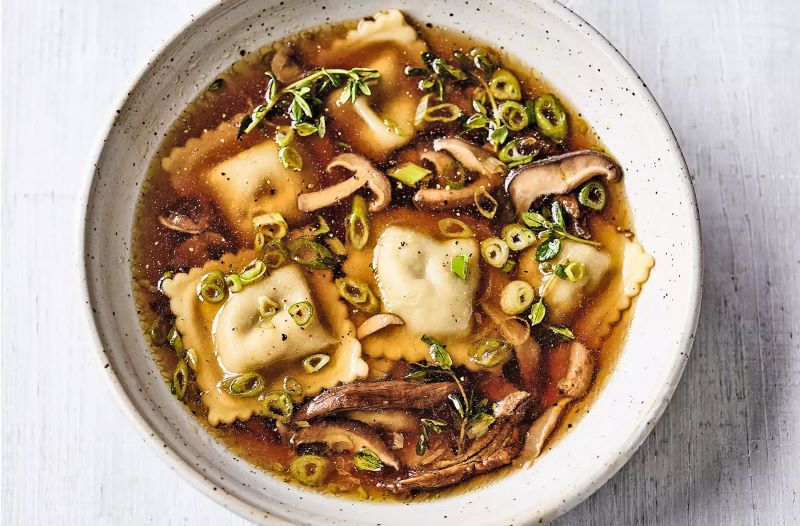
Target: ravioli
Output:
[(562, 297), (244, 180), (196, 321), (384, 121), (244, 342)]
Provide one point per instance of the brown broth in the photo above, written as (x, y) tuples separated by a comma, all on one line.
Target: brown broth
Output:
[(244, 83)]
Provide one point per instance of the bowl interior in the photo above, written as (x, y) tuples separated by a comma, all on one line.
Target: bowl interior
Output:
[(609, 95)]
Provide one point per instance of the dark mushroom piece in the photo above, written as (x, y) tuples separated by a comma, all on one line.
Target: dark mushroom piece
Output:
[(363, 174), (346, 436), (392, 394), (557, 175), (490, 172), (188, 216), (284, 64), (498, 447), (542, 427)]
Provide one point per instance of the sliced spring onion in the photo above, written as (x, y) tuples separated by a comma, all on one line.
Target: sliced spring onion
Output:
[(301, 312), (321, 229), (336, 246), (211, 288), (358, 294), (283, 135), (366, 460), (267, 309), (490, 352), (315, 362), (445, 112), (517, 237), (452, 227), (438, 352), (409, 174), (293, 389), (159, 333), (422, 109), (460, 266), (514, 153), (290, 158), (485, 203), (274, 253), (277, 405), (180, 379), (245, 385), (505, 86), (309, 470), (495, 251), (311, 254), (516, 297), (175, 341), (498, 135), (453, 176), (164, 277), (253, 272), (358, 223), (234, 283), (191, 359), (272, 225), (575, 271), (513, 115), (478, 425), (304, 129), (551, 117), (509, 266), (592, 195)]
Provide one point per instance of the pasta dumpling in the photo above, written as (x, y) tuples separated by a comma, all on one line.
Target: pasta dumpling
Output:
[(246, 183), (384, 121), (201, 324)]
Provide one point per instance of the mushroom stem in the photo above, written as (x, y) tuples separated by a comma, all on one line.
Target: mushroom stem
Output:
[(363, 174), (489, 169)]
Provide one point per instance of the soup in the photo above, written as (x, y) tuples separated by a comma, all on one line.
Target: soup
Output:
[(381, 259)]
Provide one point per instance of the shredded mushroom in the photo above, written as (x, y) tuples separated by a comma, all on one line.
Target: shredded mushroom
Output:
[(475, 159), (363, 174), (375, 323), (579, 372)]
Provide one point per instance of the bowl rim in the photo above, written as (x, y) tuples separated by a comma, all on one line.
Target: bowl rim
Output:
[(245, 510)]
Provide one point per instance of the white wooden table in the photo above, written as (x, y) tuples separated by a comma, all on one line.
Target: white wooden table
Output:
[(727, 451)]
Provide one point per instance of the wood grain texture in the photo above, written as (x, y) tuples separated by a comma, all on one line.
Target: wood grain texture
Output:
[(727, 74)]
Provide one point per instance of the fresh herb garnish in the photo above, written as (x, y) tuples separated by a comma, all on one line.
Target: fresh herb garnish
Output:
[(564, 332), (366, 460), (428, 426), (552, 231)]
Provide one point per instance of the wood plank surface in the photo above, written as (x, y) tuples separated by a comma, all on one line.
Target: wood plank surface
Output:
[(727, 451)]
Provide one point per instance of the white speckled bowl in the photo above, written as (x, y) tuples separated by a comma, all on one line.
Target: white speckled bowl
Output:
[(591, 74)]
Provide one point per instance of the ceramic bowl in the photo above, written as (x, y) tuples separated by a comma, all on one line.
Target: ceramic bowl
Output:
[(589, 73)]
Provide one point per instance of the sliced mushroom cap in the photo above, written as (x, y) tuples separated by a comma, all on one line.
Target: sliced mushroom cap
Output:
[(579, 371), (490, 172), (189, 216), (542, 427), (284, 64), (363, 174), (346, 436), (376, 323), (557, 175)]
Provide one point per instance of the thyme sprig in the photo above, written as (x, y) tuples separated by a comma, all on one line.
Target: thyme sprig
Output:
[(305, 95), (469, 412)]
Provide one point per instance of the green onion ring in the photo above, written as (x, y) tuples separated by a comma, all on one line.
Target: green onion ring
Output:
[(456, 228), (495, 251), (274, 253), (551, 117), (294, 389), (211, 288), (253, 272), (517, 237), (490, 352), (245, 385), (301, 312), (277, 405), (234, 283), (315, 362), (516, 297), (311, 253), (513, 114), (309, 470), (592, 195), (358, 223), (485, 203), (180, 379), (358, 294), (505, 86)]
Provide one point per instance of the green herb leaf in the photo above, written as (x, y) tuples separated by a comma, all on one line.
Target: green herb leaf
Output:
[(457, 404), (416, 376), (548, 249), (558, 270), (535, 220), (498, 136), (366, 460), (438, 353), (538, 311), (557, 214), (564, 332), (422, 442), (217, 84), (508, 266), (430, 424), (478, 425)]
